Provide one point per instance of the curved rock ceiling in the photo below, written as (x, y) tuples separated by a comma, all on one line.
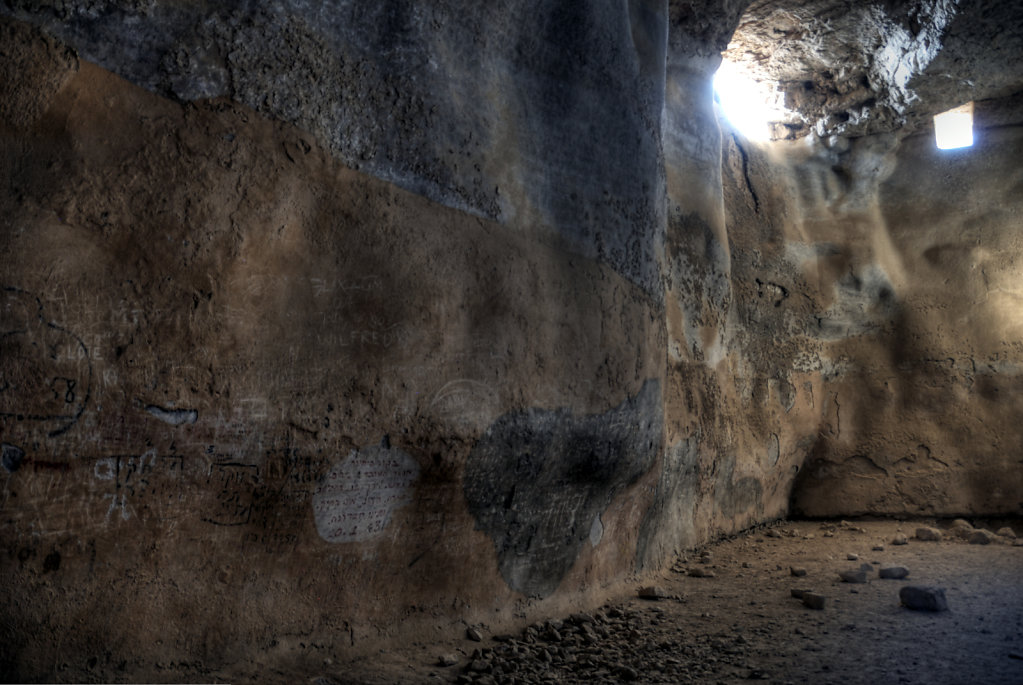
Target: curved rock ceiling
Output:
[(840, 67), (852, 69)]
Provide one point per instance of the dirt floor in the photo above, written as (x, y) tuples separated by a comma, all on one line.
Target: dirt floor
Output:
[(728, 616)]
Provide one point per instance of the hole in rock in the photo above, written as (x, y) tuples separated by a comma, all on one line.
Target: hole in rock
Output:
[(748, 104), (954, 129)]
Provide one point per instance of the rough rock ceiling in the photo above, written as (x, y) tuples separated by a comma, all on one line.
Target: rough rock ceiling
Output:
[(854, 68), (842, 67)]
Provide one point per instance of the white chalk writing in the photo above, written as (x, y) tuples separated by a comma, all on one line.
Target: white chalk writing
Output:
[(355, 500)]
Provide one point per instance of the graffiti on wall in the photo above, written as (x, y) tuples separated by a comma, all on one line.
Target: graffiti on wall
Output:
[(356, 499), (539, 480), (45, 369)]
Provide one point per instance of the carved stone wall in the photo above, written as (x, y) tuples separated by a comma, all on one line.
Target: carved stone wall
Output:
[(322, 325)]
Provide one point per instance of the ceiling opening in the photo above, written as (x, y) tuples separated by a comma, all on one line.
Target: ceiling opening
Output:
[(749, 105), (954, 129)]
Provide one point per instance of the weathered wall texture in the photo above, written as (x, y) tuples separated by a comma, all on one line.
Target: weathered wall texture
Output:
[(875, 285), (331, 324), (925, 329), (724, 467), (545, 119), (266, 405)]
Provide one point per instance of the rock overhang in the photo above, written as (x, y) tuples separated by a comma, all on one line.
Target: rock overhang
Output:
[(876, 67)]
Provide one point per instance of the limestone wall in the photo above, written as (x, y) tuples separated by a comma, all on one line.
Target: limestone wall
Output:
[(324, 326), (256, 403), (874, 279), (543, 118), (924, 413)]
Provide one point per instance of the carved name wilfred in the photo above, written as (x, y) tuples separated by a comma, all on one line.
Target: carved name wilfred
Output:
[(355, 500)]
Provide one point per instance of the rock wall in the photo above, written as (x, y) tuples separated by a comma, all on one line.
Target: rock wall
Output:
[(926, 339), (873, 279), (546, 120), (724, 465), (256, 404), (323, 326)]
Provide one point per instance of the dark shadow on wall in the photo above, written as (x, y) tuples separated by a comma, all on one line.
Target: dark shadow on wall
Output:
[(539, 480)]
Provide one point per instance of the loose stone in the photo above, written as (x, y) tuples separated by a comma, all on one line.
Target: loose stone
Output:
[(928, 534), (893, 572), (652, 592), (447, 660), (857, 576), (697, 572), (922, 598), (961, 528), (797, 571), (473, 634), (852, 557), (627, 673), (799, 593), (900, 539), (981, 536), (1007, 532), (813, 600)]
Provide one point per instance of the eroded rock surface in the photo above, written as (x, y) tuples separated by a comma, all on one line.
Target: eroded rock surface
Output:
[(396, 317), (877, 67)]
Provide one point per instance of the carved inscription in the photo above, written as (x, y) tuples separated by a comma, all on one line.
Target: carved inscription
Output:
[(45, 369), (355, 500), (235, 488), (145, 485)]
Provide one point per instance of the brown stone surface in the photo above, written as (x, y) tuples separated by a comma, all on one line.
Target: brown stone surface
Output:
[(248, 382), (917, 322), (259, 407)]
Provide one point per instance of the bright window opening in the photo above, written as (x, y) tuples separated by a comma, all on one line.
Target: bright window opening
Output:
[(750, 105), (742, 102), (954, 129)]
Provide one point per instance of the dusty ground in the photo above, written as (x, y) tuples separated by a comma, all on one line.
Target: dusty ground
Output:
[(742, 623)]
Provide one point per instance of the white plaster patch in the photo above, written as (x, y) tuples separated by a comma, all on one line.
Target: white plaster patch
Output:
[(355, 500)]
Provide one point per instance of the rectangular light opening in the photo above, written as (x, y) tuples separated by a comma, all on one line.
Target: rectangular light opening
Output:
[(954, 129)]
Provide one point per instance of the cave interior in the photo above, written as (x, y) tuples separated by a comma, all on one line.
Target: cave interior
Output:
[(344, 323)]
